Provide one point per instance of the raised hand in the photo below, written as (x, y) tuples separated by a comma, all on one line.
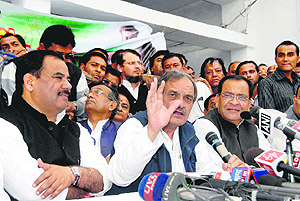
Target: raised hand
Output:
[(158, 115)]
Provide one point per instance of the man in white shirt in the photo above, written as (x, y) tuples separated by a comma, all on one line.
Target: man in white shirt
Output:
[(160, 139), (100, 108), (34, 132), (174, 61), (237, 134), (129, 64)]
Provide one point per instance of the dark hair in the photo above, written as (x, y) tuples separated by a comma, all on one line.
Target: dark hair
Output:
[(58, 34), (184, 58), (19, 37), (32, 63), (86, 57), (117, 57), (113, 96), (287, 42), (114, 72), (175, 75), (206, 102), (262, 64), (243, 63), (170, 55), (211, 60), (98, 49), (235, 77), (297, 91), (298, 64), (232, 64), (157, 54)]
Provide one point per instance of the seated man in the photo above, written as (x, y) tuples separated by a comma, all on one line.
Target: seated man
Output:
[(160, 139), (123, 109), (33, 130), (174, 61), (237, 134), (100, 109)]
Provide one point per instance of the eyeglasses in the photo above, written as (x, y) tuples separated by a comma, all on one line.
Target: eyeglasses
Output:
[(98, 92), (109, 83), (66, 55), (133, 63), (230, 97)]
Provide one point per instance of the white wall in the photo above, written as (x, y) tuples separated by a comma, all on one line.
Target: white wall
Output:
[(270, 23)]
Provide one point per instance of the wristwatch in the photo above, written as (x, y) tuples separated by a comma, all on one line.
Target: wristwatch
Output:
[(76, 173)]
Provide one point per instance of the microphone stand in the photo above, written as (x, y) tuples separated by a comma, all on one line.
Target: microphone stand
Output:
[(289, 151)]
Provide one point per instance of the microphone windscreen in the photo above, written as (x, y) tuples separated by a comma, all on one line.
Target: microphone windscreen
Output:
[(254, 112), (271, 180), (251, 154), (210, 137), (245, 115), (152, 185)]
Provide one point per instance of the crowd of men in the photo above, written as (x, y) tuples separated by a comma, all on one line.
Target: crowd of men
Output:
[(75, 127)]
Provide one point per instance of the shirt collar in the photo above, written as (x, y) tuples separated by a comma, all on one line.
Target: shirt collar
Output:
[(278, 75), (127, 84)]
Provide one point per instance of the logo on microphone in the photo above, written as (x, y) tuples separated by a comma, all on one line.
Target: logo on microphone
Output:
[(265, 123), (270, 156), (150, 183)]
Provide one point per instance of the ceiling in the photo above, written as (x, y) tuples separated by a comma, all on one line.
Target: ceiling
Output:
[(205, 11)]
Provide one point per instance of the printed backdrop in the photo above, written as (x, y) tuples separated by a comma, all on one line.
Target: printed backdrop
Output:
[(88, 33)]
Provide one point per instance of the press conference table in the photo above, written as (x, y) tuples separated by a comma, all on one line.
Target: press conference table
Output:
[(122, 197)]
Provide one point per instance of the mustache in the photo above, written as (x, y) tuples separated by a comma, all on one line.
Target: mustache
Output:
[(180, 109), (68, 92)]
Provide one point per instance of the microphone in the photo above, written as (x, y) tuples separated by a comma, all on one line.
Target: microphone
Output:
[(273, 180), (151, 186), (270, 119), (288, 131), (273, 162), (296, 159), (266, 118), (251, 154), (175, 188), (218, 146)]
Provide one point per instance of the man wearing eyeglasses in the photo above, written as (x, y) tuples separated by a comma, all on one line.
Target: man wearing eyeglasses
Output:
[(60, 39), (130, 66), (100, 109), (237, 134), (161, 139), (174, 61)]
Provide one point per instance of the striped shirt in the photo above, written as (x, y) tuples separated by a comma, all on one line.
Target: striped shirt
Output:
[(276, 91)]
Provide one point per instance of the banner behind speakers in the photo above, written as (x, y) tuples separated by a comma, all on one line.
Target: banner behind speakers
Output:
[(88, 33)]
